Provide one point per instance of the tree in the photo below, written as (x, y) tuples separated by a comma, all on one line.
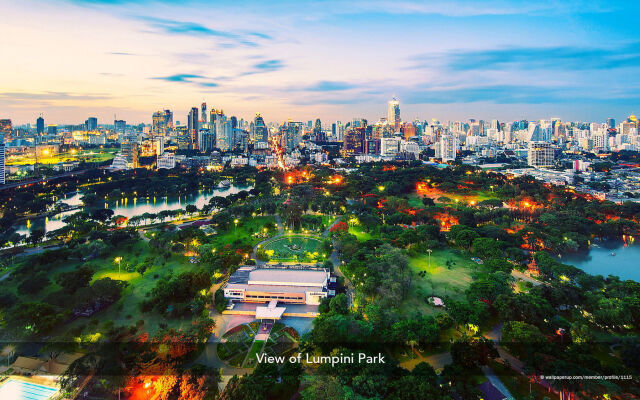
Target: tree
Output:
[(34, 317), (74, 280), (36, 236), (472, 352), (521, 338), (339, 304)]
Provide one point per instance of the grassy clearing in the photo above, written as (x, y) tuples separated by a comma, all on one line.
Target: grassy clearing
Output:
[(255, 350), (251, 230), (360, 233), (440, 280), (91, 155), (294, 248)]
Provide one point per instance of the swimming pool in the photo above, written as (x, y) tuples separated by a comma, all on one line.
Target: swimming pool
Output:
[(19, 390)]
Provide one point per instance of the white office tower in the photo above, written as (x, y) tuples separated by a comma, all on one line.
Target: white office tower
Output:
[(447, 147), (167, 161), (158, 144), (541, 154), (409, 147), (389, 147), (600, 140)]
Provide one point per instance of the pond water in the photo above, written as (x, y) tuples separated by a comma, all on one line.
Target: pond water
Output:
[(600, 261), (130, 207)]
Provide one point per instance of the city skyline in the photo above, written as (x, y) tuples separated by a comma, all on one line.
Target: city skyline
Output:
[(448, 61)]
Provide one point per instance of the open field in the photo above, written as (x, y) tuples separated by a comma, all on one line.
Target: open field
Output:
[(250, 230), (360, 233), (440, 279), (92, 155), (294, 248)]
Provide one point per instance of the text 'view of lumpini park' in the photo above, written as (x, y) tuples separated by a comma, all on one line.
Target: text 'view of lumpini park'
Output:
[(452, 278)]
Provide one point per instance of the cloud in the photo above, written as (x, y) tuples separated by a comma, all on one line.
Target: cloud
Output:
[(175, 27), (47, 96), (514, 94), (530, 58), (264, 66), (121, 53), (179, 77), (195, 79), (330, 86)]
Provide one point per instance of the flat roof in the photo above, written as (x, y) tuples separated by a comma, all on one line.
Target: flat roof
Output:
[(287, 275), (269, 312), (273, 288)]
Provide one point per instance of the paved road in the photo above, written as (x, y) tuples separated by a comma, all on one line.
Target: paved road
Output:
[(519, 275), (495, 381)]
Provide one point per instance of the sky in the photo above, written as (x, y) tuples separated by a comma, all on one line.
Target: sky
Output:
[(328, 59)]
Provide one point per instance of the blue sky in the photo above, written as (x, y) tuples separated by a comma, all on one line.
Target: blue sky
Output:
[(449, 60)]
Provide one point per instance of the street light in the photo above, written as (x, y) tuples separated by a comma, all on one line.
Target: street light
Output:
[(118, 259), (429, 251), (235, 221)]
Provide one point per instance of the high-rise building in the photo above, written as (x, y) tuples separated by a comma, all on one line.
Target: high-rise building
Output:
[(203, 114), (119, 125), (162, 122), (40, 125), (260, 131), (393, 113), (130, 153), (318, 133), (541, 154), (5, 128), (354, 139), (2, 161), (193, 127), (611, 123), (91, 124), (52, 130), (447, 147)]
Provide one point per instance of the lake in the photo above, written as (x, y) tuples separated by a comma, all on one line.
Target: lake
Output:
[(599, 261), (130, 207)]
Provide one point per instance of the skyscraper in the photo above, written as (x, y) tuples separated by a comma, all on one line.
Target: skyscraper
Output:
[(319, 134), (2, 177), (260, 131), (192, 126), (119, 125), (203, 115), (393, 113), (92, 123), (162, 122), (5, 128), (40, 125)]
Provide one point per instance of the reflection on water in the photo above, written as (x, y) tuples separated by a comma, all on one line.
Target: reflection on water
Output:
[(130, 207), (613, 257)]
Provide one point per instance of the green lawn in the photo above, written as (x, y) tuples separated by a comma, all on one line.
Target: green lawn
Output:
[(440, 279), (126, 311), (248, 229), (360, 233), (255, 350), (294, 248)]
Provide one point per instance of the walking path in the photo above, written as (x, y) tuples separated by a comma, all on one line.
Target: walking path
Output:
[(495, 381)]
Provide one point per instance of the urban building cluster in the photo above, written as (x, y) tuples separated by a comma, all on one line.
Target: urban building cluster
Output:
[(212, 139)]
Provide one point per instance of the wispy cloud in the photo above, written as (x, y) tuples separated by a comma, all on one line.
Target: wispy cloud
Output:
[(195, 79), (331, 86), (512, 94), (176, 27), (46, 96), (265, 66), (569, 58)]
